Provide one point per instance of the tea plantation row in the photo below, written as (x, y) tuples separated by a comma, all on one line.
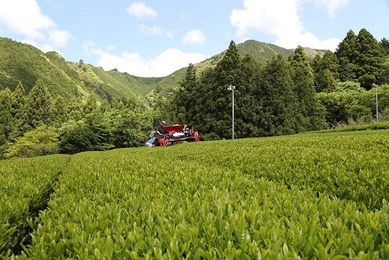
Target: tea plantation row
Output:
[(305, 196)]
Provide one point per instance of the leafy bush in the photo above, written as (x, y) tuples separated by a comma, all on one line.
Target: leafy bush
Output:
[(41, 141)]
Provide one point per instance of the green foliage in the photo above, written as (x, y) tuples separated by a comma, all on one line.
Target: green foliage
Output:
[(92, 135), (309, 114), (116, 127), (360, 58), (42, 140), (261, 52), (279, 102), (326, 71), (384, 43), (6, 119), (25, 186), (60, 111), (303, 196), (195, 95), (39, 110)]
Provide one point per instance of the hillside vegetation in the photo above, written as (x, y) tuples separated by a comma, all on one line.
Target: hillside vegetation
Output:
[(304, 196), (26, 64), (50, 105)]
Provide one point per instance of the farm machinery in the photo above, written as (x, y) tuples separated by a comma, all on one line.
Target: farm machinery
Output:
[(175, 134)]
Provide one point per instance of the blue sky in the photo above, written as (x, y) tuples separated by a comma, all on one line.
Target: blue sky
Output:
[(154, 38)]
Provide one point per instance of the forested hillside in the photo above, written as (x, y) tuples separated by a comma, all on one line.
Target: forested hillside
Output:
[(50, 105), (286, 95)]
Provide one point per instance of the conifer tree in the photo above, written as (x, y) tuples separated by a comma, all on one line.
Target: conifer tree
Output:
[(6, 119), (39, 107), (384, 43), (360, 58), (346, 54), (183, 105), (247, 108), (277, 99), (75, 111), (326, 71), (91, 105), (60, 110), (302, 75), (18, 101), (214, 97), (369, 59)]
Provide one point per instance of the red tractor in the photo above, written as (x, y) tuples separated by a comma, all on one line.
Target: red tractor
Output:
[(176, 133)]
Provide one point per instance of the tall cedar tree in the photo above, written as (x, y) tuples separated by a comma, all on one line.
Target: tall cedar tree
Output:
[(279, 103), (302, 75), (39, 107), (326, 71), (370, 59), (247, 109), (60, 113), (360, 58), (215, 98), (6, 119), (346, 54), (183, 101), (384, 43)]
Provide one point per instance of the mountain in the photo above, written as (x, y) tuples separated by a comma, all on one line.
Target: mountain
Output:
[(24, 63)]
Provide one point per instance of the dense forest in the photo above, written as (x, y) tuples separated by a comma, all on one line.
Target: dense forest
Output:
[(287, 93)]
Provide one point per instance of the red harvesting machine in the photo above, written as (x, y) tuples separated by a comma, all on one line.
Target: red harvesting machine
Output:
[(176, 133)]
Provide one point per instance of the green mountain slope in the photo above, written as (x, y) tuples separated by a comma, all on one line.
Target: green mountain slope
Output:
[(260, 51), (24, 63)]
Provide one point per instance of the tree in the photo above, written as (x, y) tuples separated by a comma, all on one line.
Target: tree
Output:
[(360, 58), (39, 107), (247, 109), (40, 141), (60, 111), (91, 104), (384, 43), (369, 59), (18, 110), (325, 81), (278, 101), (18, 101), (303, 78), (6, 119), (211, 111), (75, 111), (346, 54), (183, 102)]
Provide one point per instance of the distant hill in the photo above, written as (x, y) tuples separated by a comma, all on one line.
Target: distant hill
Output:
[(24, 63), (260, 51)]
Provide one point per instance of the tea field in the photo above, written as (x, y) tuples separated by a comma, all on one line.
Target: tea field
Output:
[(308, 196)]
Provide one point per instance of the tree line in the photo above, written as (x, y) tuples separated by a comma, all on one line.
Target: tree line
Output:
[(37, 123), (283, 96)]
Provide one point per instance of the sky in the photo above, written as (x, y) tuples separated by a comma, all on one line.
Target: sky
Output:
[(154, 38)]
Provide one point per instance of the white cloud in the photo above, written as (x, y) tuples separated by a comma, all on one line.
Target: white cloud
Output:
[(332, 5), (276, 17), (151, 30), (140, 10), (281, 19), (164, 64), (193, 37), (307, 40), (60, 37), (24, 17)]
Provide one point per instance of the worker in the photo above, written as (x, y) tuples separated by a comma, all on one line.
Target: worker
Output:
[(160, 132)]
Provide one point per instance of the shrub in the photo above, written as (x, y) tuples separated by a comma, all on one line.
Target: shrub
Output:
[(40, 141)]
